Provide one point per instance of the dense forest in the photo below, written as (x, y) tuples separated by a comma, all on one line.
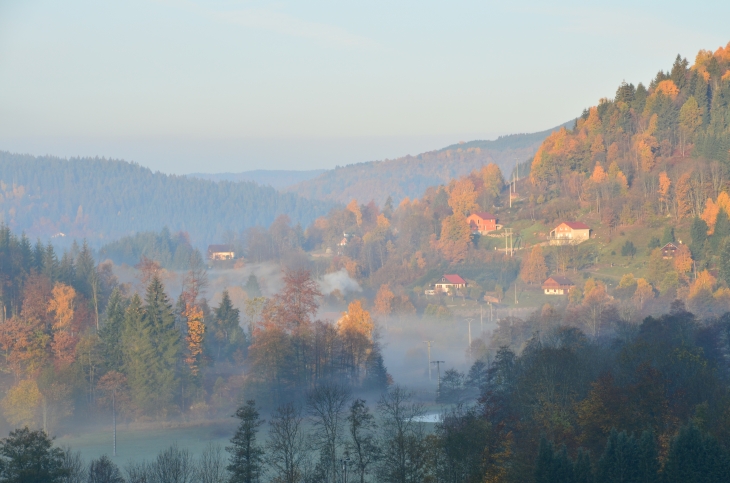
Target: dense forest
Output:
[(276, 178), (71, 333), (101, 199), (410, 176), (173, 252)]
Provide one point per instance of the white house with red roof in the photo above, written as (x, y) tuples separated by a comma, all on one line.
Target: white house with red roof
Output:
[(450, 282), (570, 233)]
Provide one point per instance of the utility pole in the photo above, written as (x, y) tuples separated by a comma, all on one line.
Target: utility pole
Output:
[(438, 369), (516, 302), (428, 343), (114, 418), (508, 233), (469, 321), (481, 318)]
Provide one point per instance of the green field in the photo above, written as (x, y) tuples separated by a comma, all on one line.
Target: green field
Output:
[(135, 443)]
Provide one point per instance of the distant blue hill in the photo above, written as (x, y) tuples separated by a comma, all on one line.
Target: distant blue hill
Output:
[(266, 177)]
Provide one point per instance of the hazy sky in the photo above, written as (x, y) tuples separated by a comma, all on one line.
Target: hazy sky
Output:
[(212, 86)]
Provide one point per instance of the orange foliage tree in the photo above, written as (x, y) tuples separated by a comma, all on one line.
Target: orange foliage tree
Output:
[(664, 185), (194, 339), (683, 259), (462, 197), (534, 270), (455, 237), (383, 305)]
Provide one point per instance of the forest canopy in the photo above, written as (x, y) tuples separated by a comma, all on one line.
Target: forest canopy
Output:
[(103, 199)]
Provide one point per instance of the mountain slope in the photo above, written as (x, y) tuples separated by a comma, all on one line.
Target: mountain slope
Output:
[(409, 176), (275, 178), (101, 199)]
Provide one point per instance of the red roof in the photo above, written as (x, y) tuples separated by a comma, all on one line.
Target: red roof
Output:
[(576, 225), (484, 215), (561, 281), (455, 279)]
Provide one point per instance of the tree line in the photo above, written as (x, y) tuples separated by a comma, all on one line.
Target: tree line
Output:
[(102, 199)]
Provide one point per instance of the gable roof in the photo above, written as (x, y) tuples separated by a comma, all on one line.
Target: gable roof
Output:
[(670, 246), (559, 280), (219, 248), (455, 279), (576, 225), (484, 215)]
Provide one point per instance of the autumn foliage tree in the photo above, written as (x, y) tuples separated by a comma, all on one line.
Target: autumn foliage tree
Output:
[(534, 269)]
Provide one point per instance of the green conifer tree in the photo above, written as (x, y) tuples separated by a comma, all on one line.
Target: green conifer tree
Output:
[(722, 230), (582, 470), (227, 333), (111, 331), (50, 264), (139, 357), (85, 271), (252, 287), (698, 233), (38, 256), (648, 459), (695, 457), (67, 270), (246, 461), (620, 460), (165, 338)]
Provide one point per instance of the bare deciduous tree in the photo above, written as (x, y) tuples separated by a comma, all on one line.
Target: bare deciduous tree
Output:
[(287, 446), (174, 465), (327, 406), (211, 467), (403, 458), (363, 444)]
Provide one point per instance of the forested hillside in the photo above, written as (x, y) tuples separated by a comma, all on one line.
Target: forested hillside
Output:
[(276, 178), (102, 199), (409, 176)]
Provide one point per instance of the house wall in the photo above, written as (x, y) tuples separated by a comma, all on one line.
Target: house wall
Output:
[(482, 225)]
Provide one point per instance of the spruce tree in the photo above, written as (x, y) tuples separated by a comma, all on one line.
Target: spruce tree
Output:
[(246, 461), (722, 230), (227, 333), (545, 462), (50, 264), (648, 459), (698, 233), (38, 256), (252, 287), (26, 253), (582, 470), (67, 270), (165, 339), (85, 271), (111, 331), (620, 460), (695, 457), (724, 263), (139, 357)]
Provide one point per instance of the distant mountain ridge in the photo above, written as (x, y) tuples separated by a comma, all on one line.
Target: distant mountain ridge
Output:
[(103, 199), (266, 177), (410, 176)]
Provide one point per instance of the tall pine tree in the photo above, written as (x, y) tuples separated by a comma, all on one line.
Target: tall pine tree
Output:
[(246, 461), (165, 339)]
